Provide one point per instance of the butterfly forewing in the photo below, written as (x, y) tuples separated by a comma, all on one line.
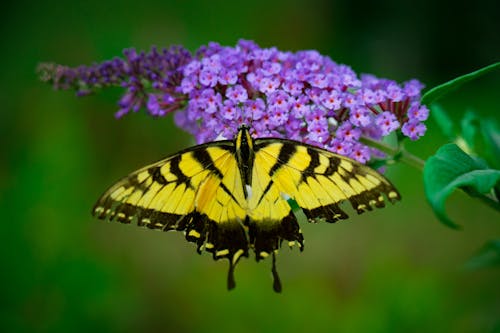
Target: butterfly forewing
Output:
[(160, 194), (198, 191), (319, 180)]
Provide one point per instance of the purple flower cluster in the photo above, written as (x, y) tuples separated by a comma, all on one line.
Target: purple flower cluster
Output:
[(150, 79), (301, 96)]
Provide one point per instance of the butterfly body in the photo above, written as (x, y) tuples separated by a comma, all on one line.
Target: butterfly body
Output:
[(231, 196), (245, 156)]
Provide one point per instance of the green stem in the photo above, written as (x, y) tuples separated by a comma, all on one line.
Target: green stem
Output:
[(399, 153)]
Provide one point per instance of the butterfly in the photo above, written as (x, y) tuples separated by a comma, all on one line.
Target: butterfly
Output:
[(232, 196)]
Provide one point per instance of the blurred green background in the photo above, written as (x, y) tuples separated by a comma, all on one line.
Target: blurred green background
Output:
[(394, 270)]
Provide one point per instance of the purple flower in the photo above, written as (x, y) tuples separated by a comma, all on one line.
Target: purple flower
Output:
[(316, 115), (208, 78), (212, 100), (414, 129), (330, 99), (269, 84), (153, 104), (237, 93), (360, 153), (228, 76), (270, 68), (350, 101), (418, 112), (314, 94), (387, 123), (188, 84), (159, 105), (300, 106), (340, 147), (318, 81), (254, 109), (293, 128), (368, 96), (254, 79), (347, 132), (360, 117), (192, 69), (412, 88), (278, 116), (317, 133), (211, 64), (395, 92), (303, 95), (294, 88), (279, 100), (229, 110)]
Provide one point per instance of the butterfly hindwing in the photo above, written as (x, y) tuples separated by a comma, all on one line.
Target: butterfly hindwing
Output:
[(220, 199)]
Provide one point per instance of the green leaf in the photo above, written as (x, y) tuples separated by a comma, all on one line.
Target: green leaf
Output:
[(490, 134), (487, 256), (470, 126), (444, 122), (442, 89), (451, 168)]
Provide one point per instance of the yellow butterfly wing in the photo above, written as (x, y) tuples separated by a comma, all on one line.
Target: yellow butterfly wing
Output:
[(198, 191), (318, 180)]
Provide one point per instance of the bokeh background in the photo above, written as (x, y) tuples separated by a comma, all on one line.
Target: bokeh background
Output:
[(394, 270)]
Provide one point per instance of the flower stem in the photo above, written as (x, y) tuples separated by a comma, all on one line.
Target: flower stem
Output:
[(398, 153)]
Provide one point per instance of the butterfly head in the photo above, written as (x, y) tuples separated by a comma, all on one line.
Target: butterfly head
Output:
[(243, 127)]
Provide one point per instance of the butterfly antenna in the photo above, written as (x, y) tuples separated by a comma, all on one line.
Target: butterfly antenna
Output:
[(276, 278)]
